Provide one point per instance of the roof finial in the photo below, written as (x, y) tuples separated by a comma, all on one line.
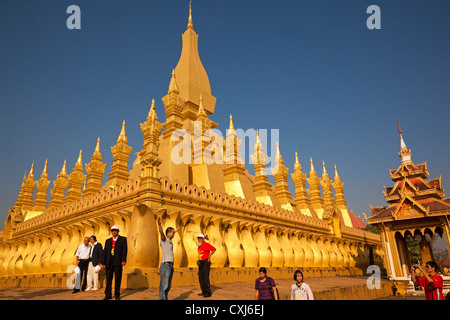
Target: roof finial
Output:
[(404, 153), (402, 142), (399, 129), (190, 24)]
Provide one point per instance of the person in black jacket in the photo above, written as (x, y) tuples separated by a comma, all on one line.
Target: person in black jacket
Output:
[(113, 261), (95, 255)]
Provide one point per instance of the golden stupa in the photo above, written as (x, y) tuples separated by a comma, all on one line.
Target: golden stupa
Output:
[(250, 221)]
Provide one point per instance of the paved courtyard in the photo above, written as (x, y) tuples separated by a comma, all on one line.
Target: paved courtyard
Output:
[(223, 291)]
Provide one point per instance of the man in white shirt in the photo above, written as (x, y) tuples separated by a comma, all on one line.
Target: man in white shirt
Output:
[(167, 259), (82, 261)]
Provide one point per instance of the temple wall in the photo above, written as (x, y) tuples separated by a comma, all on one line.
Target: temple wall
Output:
[(247, 235)]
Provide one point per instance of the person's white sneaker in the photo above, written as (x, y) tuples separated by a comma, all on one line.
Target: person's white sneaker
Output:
[(94, 289), (87, 289)]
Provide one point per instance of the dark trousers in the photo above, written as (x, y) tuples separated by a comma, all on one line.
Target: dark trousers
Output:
[(203, 276), (82, 277), (117, 271)]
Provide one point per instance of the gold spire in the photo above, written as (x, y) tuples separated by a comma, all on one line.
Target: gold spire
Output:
[(231, 123), (297, 165), (324, 174), (190, 24), (301, 196), (31, 174), (97, 147), (338, 186), (280, 172), (76, 179), (79, 164), (59, 187), (97, 154), (258, 141), (173, 87), (312, 167), (94, 171), (120, 152), (191, 76), (45, 166), (152, 113), (123, 134), (64, 169), (40, 201), (201, 110), (44, 172)]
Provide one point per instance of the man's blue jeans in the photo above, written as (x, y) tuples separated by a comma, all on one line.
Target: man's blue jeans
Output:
[(166, 272)]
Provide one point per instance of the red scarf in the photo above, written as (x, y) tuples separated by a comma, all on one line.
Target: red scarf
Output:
[(113, 245)]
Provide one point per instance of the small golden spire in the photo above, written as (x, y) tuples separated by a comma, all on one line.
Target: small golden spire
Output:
[(123, 134), (297, 165), (201, 110), (190, 24), (63, 170), (97, 155), (335, 172), (45, 168), (173, 87), (152, 113), (31, 174), (258, 141), (312, 165), (79, 164), (97, 147), (231, 123), (324, 169)]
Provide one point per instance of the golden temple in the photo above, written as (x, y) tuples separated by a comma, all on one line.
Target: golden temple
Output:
[(251, 222)]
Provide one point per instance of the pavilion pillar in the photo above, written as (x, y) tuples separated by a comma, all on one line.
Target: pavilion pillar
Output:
[(403, 255)]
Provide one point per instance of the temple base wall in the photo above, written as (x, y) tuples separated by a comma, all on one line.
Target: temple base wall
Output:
[(149, 277)]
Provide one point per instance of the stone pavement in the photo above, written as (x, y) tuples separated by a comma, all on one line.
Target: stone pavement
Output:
[(223, 291)]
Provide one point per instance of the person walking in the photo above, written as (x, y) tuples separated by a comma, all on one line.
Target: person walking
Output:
[(205, 252), (300, 290), (82, 257), (430, 281), (113, 261), (95, 255), (167, 260), (265, 287)]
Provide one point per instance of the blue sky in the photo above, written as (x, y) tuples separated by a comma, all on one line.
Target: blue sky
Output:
[(309, 68)]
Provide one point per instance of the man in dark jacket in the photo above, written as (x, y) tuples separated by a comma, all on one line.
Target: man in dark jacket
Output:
[(113, 260)]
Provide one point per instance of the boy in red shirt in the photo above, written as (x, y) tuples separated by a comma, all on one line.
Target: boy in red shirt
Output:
[(205, 251), (430, 281)]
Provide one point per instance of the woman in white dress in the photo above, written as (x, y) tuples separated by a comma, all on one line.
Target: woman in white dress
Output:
[(300, 290)]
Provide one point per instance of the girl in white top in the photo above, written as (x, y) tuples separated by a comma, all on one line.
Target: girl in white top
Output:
[(300, 290)]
